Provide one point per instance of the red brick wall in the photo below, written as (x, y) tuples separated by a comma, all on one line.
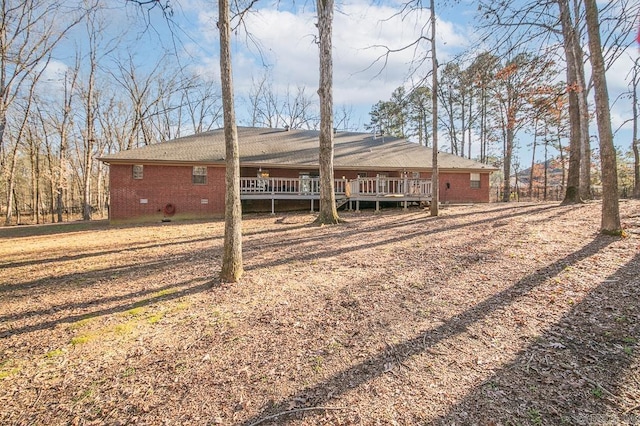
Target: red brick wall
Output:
[(460, 190), (162, 185)]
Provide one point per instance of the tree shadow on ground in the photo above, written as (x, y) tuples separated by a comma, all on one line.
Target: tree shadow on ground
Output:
[(361, 373), (575, 372), (81, 256), (178, 291), (419, 227)]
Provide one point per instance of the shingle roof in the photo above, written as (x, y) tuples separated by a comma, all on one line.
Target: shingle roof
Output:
[(298, 148)]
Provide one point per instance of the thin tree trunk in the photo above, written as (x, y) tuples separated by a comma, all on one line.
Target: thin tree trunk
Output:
[(585, 152), (328, 212), (533, 156), (635, 142), (562, 160), (583, 104), (435, 191), (232, 256), (470, 124), (572, 194), (11, 187), (508, 154), (610, 223), (546, 164)]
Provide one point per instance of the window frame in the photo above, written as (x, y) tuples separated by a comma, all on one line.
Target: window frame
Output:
[(474, 183), (137, 171), (199, 178)]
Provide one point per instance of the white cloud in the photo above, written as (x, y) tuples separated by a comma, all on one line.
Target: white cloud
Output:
[(362, 32)]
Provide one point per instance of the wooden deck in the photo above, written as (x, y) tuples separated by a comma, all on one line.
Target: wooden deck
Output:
[(347, 191)]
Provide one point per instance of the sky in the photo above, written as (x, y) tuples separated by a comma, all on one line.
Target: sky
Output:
[(282, 44)]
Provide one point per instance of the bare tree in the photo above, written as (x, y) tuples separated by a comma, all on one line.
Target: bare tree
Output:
[(328, 213), (520, 78), (20, 134), (635, 143), (610, 223), (232, 255), (29, 32), (435, 173), (575, 87), (203, 105)]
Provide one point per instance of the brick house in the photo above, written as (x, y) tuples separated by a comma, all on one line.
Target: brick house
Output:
[(185, 178)]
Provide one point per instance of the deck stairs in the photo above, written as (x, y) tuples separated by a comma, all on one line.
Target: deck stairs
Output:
[(341, 202)]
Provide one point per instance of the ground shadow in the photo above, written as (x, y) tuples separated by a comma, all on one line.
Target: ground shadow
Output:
[(575, 372), (374, 367), (193, 286), (418, 227)]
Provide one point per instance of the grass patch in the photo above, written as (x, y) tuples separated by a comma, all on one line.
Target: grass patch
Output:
[(81, 339), (165, 292), (155, 317), (125, 328), (181, 306), (597, 392), (534, 416), (7, 373), (54, 353), (80, 323), (134, 312)]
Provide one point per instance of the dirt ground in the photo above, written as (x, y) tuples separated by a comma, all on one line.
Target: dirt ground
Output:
[(499, 314)]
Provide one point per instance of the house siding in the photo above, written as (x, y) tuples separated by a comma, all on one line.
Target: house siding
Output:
[(162, 185)]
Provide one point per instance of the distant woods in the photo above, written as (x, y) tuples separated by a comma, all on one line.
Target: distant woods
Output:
[(514, 91), (76, 84)]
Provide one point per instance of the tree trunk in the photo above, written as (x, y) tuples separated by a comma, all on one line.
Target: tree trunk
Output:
[(562, 159), (610, 223), (328, 212), (435, 192), (508, 154), (533, 156), (572, 194), (86, 183), (11, 186), (585, 160), (583, 104), (635, 142), (470, 124), (546, 164), (232, 256)]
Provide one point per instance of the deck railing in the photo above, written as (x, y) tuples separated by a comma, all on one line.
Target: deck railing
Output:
[(377, 186)]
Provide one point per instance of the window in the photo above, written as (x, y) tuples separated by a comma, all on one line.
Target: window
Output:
[(475, 180), (138, 170), (199, 175)]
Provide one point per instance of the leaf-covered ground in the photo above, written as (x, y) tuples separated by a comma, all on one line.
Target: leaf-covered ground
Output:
[(492, 314)]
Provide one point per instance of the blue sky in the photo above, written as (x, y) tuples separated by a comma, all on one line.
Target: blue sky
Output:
[(287, 51), (283, 45)]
